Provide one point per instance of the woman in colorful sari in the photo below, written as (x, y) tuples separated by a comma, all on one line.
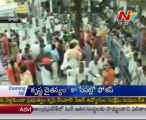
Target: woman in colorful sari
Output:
[(6, 46), (14, 48), (13, 73), (26, 77), (99, 45), (109, 74), (19, 56)]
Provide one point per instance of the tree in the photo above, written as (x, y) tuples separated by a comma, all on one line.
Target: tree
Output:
[(140, 3), (78, 17)]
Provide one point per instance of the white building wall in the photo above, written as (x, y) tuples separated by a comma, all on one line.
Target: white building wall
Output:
[(7, 10)]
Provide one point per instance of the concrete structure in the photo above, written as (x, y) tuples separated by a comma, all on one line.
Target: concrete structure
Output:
[(122, 3), (6, 10), (51, 6)]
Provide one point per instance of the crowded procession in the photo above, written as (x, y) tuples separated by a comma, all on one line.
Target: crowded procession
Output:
[(49, 51)]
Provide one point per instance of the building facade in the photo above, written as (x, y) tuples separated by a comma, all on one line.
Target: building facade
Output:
[(7, 9)]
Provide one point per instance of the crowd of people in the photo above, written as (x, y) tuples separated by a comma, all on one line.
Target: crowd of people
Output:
[(104, 55)]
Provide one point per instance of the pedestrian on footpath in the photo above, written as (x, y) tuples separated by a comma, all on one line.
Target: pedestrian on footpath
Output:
[(26, 37), (35, 50)]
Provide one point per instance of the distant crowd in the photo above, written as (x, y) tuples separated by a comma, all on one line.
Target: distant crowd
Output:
[(104, 55)]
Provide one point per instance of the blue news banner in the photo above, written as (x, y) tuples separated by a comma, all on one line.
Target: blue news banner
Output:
[(86, 91)]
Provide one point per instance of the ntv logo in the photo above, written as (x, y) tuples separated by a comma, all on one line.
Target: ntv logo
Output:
[(126, 17)]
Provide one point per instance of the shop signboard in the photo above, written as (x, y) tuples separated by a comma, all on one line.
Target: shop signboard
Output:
[(22, 9)]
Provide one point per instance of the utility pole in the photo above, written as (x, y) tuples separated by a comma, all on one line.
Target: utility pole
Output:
[(89, 5), (51, 6), (78, 20)]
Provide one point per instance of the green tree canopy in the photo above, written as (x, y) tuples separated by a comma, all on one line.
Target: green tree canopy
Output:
[(141, 3)]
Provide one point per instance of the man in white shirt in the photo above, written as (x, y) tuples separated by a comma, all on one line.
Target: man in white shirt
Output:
[(45, 14), (143, 76), (50, 23), (72, 56), (133, 65), (127, 48), (34, 22), (94, 70), (101, 62), (85, 20), (58, 27), (56, 20), (65, 60), (35, 50), (138, 73)]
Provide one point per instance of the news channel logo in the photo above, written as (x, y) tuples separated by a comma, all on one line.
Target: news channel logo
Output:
[(125, 17)]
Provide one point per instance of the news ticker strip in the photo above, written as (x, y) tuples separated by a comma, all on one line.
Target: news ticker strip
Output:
[(72, 91), (85, 91), (74, 100), (10, 20), (25, 109)]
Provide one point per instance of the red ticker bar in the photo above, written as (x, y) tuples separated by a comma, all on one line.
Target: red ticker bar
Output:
[(16, 109)]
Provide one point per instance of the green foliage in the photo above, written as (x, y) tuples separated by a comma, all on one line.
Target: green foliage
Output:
[(141, 3), (133, 2)]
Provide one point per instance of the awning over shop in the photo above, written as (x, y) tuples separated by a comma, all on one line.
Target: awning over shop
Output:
[(22, 9)]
